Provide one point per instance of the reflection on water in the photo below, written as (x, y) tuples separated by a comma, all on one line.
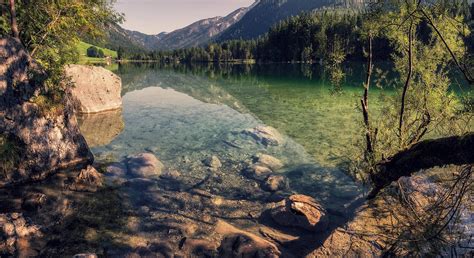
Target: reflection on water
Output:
[(304, 108), (101, 128), (185, 115)]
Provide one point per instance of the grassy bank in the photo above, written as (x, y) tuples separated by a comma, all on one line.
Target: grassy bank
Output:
[(84, 59)]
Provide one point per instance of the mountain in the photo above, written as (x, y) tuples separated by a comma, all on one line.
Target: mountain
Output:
[(196, 34), (266, 13)]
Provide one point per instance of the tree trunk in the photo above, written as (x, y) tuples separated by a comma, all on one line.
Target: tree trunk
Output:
[(365, 101), (407, 83), (13, 23), (456, 150)]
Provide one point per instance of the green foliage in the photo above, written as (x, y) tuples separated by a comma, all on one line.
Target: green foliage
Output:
[(51, 30), (429, 107), (95, 52), (9, 155), (83, 46)]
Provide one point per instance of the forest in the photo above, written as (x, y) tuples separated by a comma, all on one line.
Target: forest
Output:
[(309, 37)]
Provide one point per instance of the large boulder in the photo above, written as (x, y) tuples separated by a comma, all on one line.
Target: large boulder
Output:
[(96, 89), (46, 139)]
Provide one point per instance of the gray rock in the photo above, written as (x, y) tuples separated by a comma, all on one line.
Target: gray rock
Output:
[(300, 211), (144, 165), (213, 162), (96, 89), (265, 134), (275, 183), (47, 142)]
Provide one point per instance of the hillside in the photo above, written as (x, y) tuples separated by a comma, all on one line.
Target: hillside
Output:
[(83, 58)]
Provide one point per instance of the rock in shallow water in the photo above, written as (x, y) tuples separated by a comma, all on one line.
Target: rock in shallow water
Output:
[(257, 172), (96, 88), (302, 212), (275, 183), (239, 243), (144, 165), (268, 161), (266, 135), (213, 162)]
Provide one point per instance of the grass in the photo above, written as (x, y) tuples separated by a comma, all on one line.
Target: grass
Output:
[(84, 59)]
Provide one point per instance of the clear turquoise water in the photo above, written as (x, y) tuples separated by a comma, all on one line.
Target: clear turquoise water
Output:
[(185, 114)]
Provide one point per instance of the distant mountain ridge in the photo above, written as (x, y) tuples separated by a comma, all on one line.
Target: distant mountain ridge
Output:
[(200, 32), (196, 34)]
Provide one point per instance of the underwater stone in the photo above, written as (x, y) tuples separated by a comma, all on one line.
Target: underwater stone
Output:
[(300, 211), (171, 174), (268, 161), (96, 88), (213, 162), (265, 134), (144, 165), (239, 243), (117, 169), (257, 172), (275, 183)]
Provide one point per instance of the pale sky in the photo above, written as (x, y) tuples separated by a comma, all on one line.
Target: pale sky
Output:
[(155, 16)]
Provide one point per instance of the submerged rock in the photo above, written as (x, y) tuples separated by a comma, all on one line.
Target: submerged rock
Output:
[(96, 88), (257, 172), (46, 141), (172, 174), (239, 243), (266, 135), (117, 169), (275, 183), (213, 162), (268, 161), (144, 165), (302, 212)]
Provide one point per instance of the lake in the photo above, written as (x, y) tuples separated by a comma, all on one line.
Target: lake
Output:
[(184, 115)]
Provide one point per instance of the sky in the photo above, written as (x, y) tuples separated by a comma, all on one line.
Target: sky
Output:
[(155, 16)]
